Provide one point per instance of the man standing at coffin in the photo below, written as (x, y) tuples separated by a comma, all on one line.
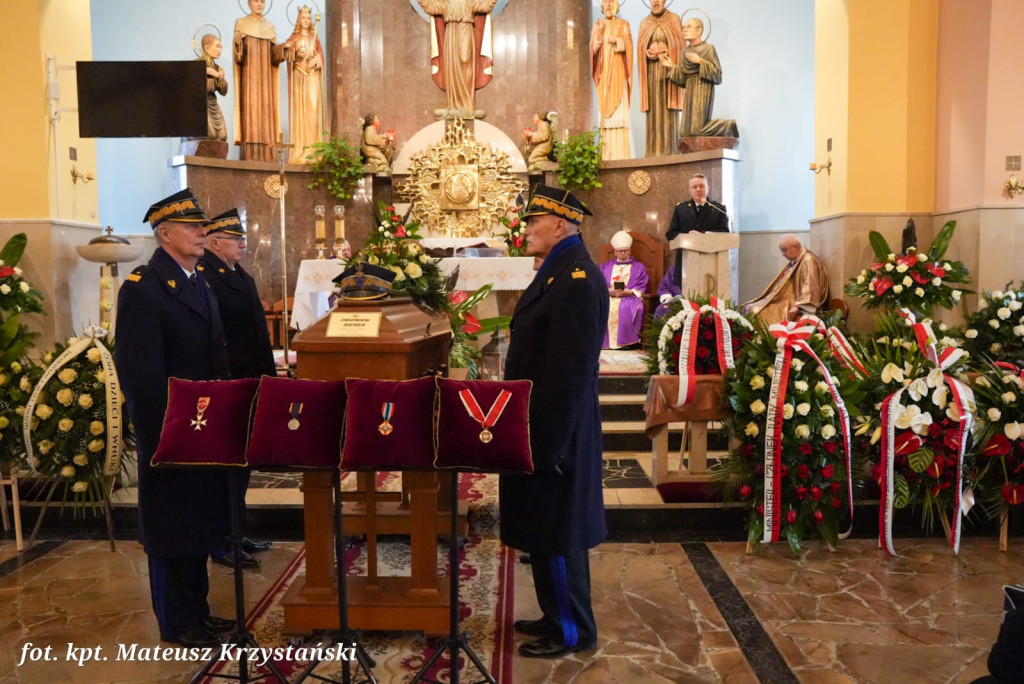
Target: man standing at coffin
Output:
[(245, 328), (169, 326), (557, 514)]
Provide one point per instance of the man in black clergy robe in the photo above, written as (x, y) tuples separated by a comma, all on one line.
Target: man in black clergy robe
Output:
[(557, 514), (696, 215), (245, 328), (168, 325)]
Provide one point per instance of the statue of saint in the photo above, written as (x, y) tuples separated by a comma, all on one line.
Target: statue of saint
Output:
[(699, 71), (376, 148), (257, 54), (459, 60), (542, 140), (216, 129), (306, 107), (661, 33), (611, 52)]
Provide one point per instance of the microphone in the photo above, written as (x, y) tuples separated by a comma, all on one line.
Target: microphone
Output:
[(708, 203)]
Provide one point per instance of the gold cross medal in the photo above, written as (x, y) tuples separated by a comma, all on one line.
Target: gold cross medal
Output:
[(199, 422), (294, 410), (387, 409), (476, 412)]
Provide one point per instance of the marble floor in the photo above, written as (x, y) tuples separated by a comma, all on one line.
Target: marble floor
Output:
[(680, 611)]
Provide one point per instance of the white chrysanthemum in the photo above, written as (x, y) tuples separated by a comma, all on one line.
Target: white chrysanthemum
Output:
[(827, 411)]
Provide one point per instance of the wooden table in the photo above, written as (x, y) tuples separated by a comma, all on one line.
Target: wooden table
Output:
[(662, 414)]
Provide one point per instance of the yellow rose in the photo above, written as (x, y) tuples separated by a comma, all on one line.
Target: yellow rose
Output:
[(3, 379), (413, 270), (68, 471), (101, 376), (96, 427), (81, 460), (15, 366), (43, 411), (65, 397), (25, 385), (65, 424), (67, 376), (80, 486), (45, 446), (85, 401), (20, 410), (96, 445), (4, 422), (93, 355)]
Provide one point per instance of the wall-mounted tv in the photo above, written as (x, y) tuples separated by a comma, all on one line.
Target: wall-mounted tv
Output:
[(142, 99)]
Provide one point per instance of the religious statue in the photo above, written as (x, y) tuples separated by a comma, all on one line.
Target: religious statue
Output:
[(611, 52), (257, 54), (306, 107), (661, 33), (216, 129), (801, 287), (699, 71), (460, 61), (377, 149), (542, 139)]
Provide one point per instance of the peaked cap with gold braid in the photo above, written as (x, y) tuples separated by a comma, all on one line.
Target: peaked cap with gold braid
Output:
[(561, 203), (229, 223)]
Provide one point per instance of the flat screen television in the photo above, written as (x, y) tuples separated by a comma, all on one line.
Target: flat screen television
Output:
[(142, 99)]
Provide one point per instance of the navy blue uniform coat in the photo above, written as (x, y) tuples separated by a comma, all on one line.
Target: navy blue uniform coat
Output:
[(165, 330), (685, 219), (245, 324), (556, 334)]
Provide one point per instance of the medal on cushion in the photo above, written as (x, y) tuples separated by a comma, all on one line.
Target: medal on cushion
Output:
[(387, 409), (294, 410), (199, 422), (477, 414)]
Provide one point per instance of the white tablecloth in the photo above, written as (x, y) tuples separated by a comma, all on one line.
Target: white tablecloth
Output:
[(314, 283)]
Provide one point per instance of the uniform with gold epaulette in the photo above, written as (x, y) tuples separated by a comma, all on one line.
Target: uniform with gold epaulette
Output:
[(169, 327)]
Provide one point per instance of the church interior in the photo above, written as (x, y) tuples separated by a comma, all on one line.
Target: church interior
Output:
[(872, 143)]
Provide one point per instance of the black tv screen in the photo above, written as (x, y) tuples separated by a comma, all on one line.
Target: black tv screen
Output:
[(142, 99)]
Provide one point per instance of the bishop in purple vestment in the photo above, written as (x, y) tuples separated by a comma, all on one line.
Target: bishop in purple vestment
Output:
[(627, 283)]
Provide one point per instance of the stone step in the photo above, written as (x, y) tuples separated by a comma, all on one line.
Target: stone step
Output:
[(622, 384), (628, 435), (622, 407)]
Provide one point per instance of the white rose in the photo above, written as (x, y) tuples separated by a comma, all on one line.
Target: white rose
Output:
[(907, 282), (936, 281), (828, 432), (970, 333), (1014, 305), (93, 355), (997, 294), (995, 347), (787, 411), (919, 291), (803, 432), (25, 385), (897, 288), (770, 371), (5, 289), (1013, 430), (827, 411), (101, 376), (67, 376), (24, 287), (85, 401), (803, 408), (994, 324), (1003, 313), (757, 382), (860, 280), (956, 295), (81, 460), (800, 386), (982, 381), (65, 424), (889, 267), (922, 257), (68, 471), (751, 430), (1018, 330), (424, 258), (947, 266), (798, 364), (1008, 397), (902, 268), (65, 396), (994, 414), (757, 407), (821, 387), (4, 422)]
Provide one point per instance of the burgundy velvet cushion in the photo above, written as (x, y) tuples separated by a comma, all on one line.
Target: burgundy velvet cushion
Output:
[(223, 426), (459, 443), (409, 444), (315, 441)]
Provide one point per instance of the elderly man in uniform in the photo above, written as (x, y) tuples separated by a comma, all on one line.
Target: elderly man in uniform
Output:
[(627, 282), (800, 288), (245, 328), (168, 325), (557, 514)]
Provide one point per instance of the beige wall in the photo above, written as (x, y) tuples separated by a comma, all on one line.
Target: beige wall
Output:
[(831, 103)]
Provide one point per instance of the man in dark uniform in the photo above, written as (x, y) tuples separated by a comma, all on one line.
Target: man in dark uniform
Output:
[(697, 215), (245, 327), (557, 514), (168, 325)]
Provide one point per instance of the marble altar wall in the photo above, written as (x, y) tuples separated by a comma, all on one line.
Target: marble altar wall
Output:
[(380, 62)]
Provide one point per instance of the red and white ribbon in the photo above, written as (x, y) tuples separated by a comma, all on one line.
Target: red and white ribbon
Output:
[(790, 337), (840, 347), (474, 410), (690, 341), (963, 398)]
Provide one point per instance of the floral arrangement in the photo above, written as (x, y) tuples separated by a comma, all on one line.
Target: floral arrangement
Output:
[(466, 327), (918, 281), (16, 382), (396, 245), (515, 230), (665, 338), (806, 452), (999, 393), (69, 424), (17, 296), (996, 329), (927, 427)]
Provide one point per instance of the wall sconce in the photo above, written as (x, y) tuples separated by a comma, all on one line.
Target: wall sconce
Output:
[(1014, 186), (77, 175), (818, 168)]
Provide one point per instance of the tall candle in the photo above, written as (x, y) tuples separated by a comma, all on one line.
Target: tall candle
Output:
[(339, 222), (321, 224)]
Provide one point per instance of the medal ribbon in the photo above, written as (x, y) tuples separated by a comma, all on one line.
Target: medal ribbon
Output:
[(474, 410), (295, 409), (387, 409)]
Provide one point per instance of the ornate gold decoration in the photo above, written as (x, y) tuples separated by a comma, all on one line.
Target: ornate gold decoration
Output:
[(459, 186), (639, 182), (272, 186)]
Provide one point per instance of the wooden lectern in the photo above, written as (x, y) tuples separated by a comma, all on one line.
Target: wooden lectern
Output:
[(709, 262), (386, 339)]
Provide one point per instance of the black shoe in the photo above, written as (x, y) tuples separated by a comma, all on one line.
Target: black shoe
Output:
[(254, 545), (535, 628), (218, 625), (525, 558), (550, 648), (200, 637), (227, 560)]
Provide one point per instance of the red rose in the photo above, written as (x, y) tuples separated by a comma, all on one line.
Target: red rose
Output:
[(675, 356), (828, 471), (997, 445), (677, 339), (830, 446), (801, 492), (819, 517), (708, 334), (747, 449), (803, 472), (745, 492), (881, 285), (702, 352), (816, 493), (759, 469), (791, 516), (1013, 494), (934, 430), (834, 487), (759, 509), (784, 471), (6, 271), (806, 448), (836, 503)]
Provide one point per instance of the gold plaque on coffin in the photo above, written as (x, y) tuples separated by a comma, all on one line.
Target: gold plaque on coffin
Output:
[(460, 188)]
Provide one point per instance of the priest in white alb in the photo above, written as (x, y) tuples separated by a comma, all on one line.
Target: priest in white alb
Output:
[(627, 282)]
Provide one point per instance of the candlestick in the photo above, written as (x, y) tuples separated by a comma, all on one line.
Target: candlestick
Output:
[(339, 222), (321, 225)]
